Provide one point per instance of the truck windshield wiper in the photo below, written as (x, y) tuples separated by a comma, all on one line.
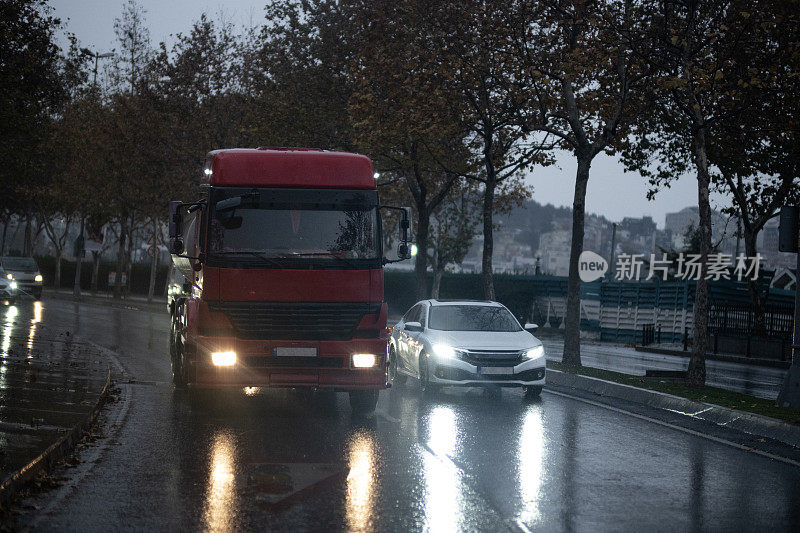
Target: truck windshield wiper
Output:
[(258, 255), (328, 254)]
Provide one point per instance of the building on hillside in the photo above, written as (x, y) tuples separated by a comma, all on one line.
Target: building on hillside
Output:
[(554, 247)]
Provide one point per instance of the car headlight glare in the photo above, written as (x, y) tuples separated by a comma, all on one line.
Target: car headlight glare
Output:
[(364, 360), (38, 278), (223, 358), (13, 284), (444, 350), (535, 352), (10, 276)]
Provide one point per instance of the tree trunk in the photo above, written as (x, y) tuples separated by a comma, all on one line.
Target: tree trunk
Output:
[(95, 271), (759, 324), (27, 246), (696, 376), (57, 278), (123, 233), (572, 320), (437, 281), (153, 263), (488, 239), (129, 259), (5, 232), (421, 260)]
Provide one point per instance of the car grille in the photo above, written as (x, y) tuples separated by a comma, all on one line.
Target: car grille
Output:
[(490, 357), (457, 374), (295, 321)]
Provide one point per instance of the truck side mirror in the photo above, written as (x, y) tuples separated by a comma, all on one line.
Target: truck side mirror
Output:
[(403, 250), (175, 245), (175, 219)]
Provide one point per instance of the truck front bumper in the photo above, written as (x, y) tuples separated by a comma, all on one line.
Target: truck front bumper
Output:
[(258, 365)]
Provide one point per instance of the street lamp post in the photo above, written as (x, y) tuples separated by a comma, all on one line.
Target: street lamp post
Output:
[(80, 244)]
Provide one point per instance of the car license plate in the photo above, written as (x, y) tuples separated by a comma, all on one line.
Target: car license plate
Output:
[(496, 370), (291, 351)]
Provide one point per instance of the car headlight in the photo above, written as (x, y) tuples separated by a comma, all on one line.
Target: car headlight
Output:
[(13, 285), (535, 352), (444, 350), (10, 276), (38, 278)]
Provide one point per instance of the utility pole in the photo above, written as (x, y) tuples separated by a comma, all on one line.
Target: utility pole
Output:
[(80, 243), (789, 241), (613, 246)]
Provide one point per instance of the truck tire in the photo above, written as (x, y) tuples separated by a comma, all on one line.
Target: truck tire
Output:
[(363, 402), (180, 371), (395, 376)]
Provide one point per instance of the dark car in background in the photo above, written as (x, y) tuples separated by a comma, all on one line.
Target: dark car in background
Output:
[(25, 272)]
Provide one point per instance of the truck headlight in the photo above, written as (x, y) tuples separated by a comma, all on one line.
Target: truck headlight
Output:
[(38, 278), (223, 358), (13, 285), (364, 360), (534, 353)]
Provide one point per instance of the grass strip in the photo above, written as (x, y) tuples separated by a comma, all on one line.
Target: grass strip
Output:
[(713, 395)]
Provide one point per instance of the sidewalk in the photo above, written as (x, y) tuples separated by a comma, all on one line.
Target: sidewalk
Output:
[(159, 301), (759, 381), (51, 389)]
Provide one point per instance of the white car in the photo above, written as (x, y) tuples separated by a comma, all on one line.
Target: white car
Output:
[(464, 342)]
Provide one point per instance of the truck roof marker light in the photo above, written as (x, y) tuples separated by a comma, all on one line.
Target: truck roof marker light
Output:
[(207, 171), (364, 360), (376, 176), (223, 358)]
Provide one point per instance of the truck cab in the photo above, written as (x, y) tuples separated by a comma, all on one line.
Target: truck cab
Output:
[(282, 251)]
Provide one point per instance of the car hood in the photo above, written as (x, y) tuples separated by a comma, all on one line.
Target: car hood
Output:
[(483, 340)]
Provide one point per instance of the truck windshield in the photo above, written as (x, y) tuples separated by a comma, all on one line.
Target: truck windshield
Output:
[(273, 229)]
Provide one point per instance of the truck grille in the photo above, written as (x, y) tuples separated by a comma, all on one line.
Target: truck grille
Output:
[(490, 357), (295, 321)]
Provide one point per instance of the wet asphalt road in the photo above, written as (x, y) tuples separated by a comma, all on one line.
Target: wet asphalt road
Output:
[(463, 460)]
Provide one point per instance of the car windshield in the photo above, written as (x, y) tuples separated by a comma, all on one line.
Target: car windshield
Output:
[(297, 226), (472, 318), (23, 264)]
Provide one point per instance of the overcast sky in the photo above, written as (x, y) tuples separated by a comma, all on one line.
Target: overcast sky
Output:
[(611, 192)]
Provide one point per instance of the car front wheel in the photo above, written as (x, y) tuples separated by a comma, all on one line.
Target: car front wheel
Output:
[(532, 391)]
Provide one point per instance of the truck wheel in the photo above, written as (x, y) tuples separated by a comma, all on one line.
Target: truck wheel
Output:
[(395, 376), (180, 370), (363, 402), (531, 392)]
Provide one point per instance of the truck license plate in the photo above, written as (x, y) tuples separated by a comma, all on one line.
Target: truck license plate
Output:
[(497, 370), (294, 352)]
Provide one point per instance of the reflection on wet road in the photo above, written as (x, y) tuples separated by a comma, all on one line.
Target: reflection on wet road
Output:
[(462, 460)]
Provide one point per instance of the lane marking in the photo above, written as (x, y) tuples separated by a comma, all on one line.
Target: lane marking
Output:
[(678, 428), (110, 354)]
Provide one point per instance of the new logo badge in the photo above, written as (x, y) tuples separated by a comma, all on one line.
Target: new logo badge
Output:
[(591, 266)]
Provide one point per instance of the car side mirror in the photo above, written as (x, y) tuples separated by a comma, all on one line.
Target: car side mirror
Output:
[(234, 222), (529, 326), (412, 326)]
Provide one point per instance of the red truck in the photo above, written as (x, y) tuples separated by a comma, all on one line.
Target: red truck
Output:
[(283, 257)]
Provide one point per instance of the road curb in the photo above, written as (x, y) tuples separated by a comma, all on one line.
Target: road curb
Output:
[(54, 453), (740, 420)]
